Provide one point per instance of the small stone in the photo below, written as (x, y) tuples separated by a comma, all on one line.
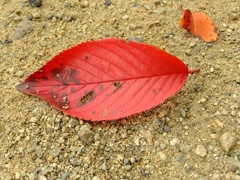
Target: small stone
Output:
[(25, 27), (96, 178), (127, 167), (107, 2), (219, 124), (41, 177), (68, 5), (36, 15), (185, 148), (103, 167), (175, 142), (125, 17), (200, 151), (56, 151), (166, 128), (65, 176), (227, 141), (192, 44), (35, 3), (87, 160), (17, 175), (34, 119), (163, 146), (183, 112), (86, 135), (147, 7), (181, 158), (162, 156), (147, 135), (84, 4), (216, 177), (75, 161)]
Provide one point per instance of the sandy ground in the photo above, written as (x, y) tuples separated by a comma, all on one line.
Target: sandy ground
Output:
[(180, 139)]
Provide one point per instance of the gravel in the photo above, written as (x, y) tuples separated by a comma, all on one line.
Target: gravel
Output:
[(192, 135)]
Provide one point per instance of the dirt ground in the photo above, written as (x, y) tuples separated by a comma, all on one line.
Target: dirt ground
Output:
[(194, 135)]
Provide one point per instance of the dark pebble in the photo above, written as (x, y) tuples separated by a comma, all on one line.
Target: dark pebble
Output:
[(197, 87), (7, 41), (181, 158), (166, 128), (107, 3), (35, 3), (68, 5)]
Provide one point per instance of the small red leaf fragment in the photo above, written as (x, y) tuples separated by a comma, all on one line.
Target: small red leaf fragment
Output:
[(107, 79), (199, 25)]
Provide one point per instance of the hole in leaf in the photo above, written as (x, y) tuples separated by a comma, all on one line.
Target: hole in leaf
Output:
[(86, 98)]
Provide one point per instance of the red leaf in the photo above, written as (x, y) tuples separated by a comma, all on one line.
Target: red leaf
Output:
[(107, 79), (199, 25)]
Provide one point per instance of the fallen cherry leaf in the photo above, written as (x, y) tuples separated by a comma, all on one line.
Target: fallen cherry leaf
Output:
[(199, 25), (107, 79)]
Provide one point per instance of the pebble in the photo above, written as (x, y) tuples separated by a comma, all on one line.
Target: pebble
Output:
[(25, 27), (56, 151), (41, 177), (127, 167), (200, 151), (86, 135), (185, 148), (227, 141), (183, 112), (125, 17), (35, 3), (96, 178), (75, 161), (147, 7), (162, 156), (175, 142), (68, 5), (192, 44), (107, 3), (65, 176), (216, 177), (36, 15), (181, 158), (34, 119), (147, 135), (84, 4), (103, 167), (17, 175)]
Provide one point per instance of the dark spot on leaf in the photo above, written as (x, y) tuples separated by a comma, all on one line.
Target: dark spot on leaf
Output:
[(117, 85), (94, 112), (154, 91), (86, 98), (44, 77), (184, 17), (215, 30), (73, 90), (61, 64), (86, 57), (101, 87)]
